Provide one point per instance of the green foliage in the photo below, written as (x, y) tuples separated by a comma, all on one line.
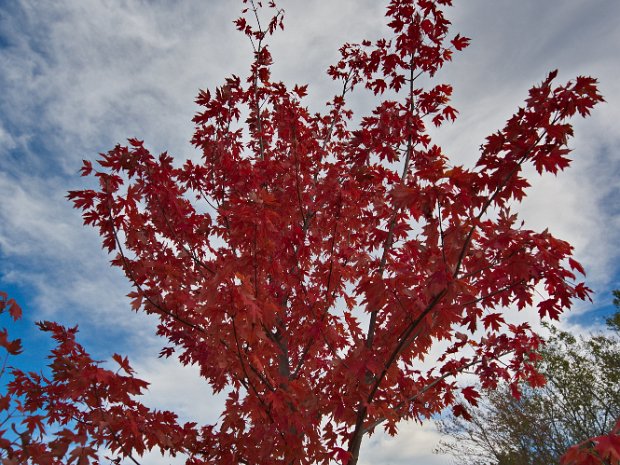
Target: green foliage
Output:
[(614, 321), (580, 400)]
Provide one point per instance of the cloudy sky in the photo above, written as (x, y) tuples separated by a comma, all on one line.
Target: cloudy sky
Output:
[(78, 76)]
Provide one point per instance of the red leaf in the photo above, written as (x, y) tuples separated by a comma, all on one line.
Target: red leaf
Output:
[(575, 265), (608, 447), (301, 91), (549, 308), (5, 402), (123, 363), (459, 42), (13, 347), (14, 310), (87, 168), (471, 395), (459, 410), (340, 455), (494, 321), (404, 196)]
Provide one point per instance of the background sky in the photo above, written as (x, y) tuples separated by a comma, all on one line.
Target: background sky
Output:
[(79, 76)]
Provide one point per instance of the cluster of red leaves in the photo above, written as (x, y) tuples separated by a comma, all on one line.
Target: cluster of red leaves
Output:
[(79, 409), (12, 347), (308, 267), (604, 449)]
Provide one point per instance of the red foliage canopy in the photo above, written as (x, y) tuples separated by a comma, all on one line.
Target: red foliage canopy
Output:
[(308, 264)]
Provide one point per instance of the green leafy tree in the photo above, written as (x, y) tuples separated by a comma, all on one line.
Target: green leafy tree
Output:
[(536, 426), (614, 321)]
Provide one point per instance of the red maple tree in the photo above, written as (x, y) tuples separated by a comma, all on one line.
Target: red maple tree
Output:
[(311, 265)]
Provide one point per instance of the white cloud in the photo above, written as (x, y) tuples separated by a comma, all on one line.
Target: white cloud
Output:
[(7, 142), (60, 264), (34, 211), (414, 443), (179, 389), (95, 73)]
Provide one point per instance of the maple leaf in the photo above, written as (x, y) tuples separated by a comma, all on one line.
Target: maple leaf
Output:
[(123, 363), (471, 395), (34, 422), (13, 347), (341, 455), (14, 309), (493, 321), (459, 410), (459, 42), (81, 455), (301, 91), (5, 402), (575, 265), (87, 168), (608, 447), (550, 308)]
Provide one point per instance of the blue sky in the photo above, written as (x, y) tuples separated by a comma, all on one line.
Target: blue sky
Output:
[(78, 76)]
